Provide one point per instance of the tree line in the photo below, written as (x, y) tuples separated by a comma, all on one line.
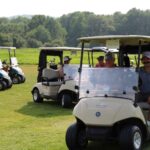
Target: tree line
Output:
[(40, 30)]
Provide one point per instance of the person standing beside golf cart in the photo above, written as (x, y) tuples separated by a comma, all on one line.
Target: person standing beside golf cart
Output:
[(100, 61)]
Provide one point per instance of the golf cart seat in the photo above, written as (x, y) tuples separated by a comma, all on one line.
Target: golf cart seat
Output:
[(50, 74), (14, 61)]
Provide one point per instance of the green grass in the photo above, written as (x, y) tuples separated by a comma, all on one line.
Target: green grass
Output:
[(25, 125), (31, 56), (24, 55)]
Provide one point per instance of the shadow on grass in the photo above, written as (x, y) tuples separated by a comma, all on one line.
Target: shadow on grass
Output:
[(108, 145), (45, 109)]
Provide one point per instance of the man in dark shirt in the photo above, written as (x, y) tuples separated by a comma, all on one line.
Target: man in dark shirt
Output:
[(144, 74)]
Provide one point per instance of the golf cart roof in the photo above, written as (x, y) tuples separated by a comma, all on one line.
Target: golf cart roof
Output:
[(56, 51), (62, 48), (10, 48), (125, 43), (104, 49), (123, 39)]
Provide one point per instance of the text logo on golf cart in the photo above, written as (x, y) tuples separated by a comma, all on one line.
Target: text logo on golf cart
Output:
[(97, 114)]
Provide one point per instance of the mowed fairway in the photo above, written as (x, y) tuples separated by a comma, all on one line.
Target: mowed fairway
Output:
[(25, 125)]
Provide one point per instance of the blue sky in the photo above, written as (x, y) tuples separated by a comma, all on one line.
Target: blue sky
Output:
[(57, 8)]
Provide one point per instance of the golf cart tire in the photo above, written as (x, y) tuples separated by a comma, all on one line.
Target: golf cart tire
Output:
[(3, 85), (130, 138), (19, 79), (23, 79), (36, 96), (16, 79), (7, 84), (74, 138), (66, 100)]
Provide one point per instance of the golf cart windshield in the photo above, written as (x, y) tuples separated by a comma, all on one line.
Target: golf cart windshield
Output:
[(14, 61), (71, 72), (115, 82)]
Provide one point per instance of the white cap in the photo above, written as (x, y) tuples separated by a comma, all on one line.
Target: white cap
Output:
[(146, 54), (66, 58)]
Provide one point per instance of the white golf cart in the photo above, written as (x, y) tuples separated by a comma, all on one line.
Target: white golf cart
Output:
[(5, 81), (50, 85), (108, 108), (15, 72)]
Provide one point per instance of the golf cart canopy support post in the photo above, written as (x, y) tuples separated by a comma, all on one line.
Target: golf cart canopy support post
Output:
[(139, 52)]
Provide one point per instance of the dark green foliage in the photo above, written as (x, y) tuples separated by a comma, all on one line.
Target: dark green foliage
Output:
[(40, 30), (6, 39), (33, 43)]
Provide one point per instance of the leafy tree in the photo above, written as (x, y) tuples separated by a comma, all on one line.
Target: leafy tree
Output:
[(56, 30), (6, 40), (18, 41), (40, 33), (38, 30), (57, 42), (33, 43), (37, 20)]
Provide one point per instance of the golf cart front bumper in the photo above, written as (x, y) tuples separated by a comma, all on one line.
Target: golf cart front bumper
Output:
[(99, 133)]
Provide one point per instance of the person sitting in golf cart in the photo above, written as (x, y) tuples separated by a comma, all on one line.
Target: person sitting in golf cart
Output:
[(144, 82), (110, 60), (5, 66), (100, 61), (67, 60), (60, 68)]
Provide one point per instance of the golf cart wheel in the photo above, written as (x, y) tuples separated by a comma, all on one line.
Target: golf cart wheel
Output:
[(130, 138), (36, 96), (16, 80), (7, 84), (10, 85), (66, 100), (76, 137), (23, 79), (3, 85)]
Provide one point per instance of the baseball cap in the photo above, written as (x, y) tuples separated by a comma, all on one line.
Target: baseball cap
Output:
[(146, 54), (109, 56), (100, 58), (66, 58)]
